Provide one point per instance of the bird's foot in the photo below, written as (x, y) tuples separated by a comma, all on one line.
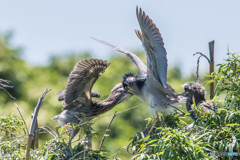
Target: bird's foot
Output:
[(154, 123)]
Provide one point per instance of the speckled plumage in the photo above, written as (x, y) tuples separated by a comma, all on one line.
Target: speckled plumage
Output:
[(77, 98), (196, 91)]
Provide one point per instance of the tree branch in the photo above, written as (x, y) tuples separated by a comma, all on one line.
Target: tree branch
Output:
[(32, 129), (115, 114)]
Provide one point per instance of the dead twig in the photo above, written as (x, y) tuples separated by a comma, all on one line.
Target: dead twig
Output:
[(107, 131), (211, 65), (122, 149), (32, 129), (178, 109), (198, 61), (211, 70), (22, 117), (48, 130), (3, 86), (77, 154)]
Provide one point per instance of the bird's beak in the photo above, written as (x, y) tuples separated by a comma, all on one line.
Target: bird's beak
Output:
[(125, 84)]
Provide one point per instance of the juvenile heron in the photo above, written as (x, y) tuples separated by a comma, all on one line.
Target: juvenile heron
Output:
[(196, 91), (151, 86), (77, 98)]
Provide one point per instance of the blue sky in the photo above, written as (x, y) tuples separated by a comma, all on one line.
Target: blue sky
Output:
[(53, 27)]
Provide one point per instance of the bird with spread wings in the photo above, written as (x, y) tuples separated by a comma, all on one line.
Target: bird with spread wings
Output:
[(151, 86), (78, 94)]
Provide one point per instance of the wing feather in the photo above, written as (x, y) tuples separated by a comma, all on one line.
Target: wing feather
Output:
[(142, 68), (154, 46), (81, 80)]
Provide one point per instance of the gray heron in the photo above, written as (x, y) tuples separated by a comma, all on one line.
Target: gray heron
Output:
[(151, 86)]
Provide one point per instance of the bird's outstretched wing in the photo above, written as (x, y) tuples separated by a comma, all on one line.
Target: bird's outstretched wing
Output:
[(81, 80), (154, 46), (142, 68)]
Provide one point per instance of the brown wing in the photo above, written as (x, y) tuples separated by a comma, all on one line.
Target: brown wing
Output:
[(81, 80)]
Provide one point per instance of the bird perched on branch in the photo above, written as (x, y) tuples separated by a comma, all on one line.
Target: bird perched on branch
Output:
[(194, 90), (151, 86), (78, 96)]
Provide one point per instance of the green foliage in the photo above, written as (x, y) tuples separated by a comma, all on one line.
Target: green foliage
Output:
[(211, 132), (13, 137), (168, 140), (13, 144), (228, 81)]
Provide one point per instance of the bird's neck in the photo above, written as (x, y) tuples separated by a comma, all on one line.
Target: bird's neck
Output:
[(107, 104)]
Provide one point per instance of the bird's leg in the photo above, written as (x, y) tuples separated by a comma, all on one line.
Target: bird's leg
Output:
[(73, 134), (154, 123), (88, 131), (56, 129), (90, 140)]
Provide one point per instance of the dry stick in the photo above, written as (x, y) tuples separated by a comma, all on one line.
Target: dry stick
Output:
[(211, 53), (122, 149), (31, 133), (3, 86), (77, 154), (48, 130), (107, 130), (34, 142), (177, 109), (201, 55), (7, 93), (22, 117)]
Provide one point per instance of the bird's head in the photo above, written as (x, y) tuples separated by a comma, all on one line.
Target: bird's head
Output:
[(132, 84), (194, 89)]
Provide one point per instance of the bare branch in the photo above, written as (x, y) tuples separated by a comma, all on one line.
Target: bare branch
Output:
[(177, 109), (32, 129), (22, 117), (48, 130), (7, 92), (211, 70), (77, 154), (122, 149), (3, 86), (107, 130), (198, 61)]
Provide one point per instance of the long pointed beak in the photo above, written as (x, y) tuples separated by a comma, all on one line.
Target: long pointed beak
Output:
[(125, 84)]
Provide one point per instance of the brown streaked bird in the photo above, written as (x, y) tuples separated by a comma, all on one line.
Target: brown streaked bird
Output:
[(196, 91), (151, 86), (77, 98)]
